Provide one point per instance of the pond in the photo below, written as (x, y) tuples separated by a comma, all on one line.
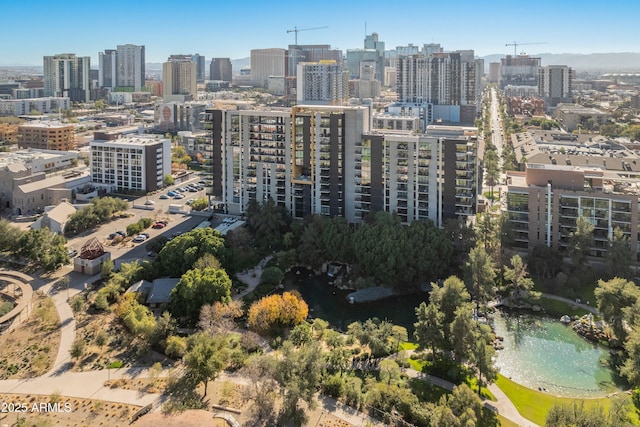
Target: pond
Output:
[(542, 353), (331, 304), (539, 352)]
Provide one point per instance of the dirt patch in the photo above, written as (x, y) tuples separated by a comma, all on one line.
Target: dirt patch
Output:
[(223, 398), (63, 411), (30, 350), (108, 343)]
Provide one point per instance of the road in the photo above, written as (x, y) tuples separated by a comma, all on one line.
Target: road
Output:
[(160, 208)]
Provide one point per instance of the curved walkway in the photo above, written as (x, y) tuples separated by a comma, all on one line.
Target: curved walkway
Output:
[(251, 278), (91, 384), (20, 280), (571, 302)]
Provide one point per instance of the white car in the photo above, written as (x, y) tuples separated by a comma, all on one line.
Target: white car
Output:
[(149, 202), (139, 238)]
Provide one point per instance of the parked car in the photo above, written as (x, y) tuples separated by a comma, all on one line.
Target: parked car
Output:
[(171, 193), (117, 233), (139, 238), (149, 202), (179, 196), (158, 225), (145, 235), (189, 201), (165, 196), (73, 253)]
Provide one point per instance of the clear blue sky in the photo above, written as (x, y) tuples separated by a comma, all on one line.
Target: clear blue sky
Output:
[(30, 30)]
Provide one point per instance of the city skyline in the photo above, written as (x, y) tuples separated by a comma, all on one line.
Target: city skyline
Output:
[(217, 30)]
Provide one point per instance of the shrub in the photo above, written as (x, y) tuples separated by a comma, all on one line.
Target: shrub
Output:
[(176, 347)]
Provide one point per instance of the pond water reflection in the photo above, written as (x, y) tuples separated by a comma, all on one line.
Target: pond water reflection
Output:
[(331, 304), (538, 352), (541, 352)]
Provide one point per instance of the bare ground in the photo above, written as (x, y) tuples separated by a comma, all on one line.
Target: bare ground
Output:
[(30, 350)]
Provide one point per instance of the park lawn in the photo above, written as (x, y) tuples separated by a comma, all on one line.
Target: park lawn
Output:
[(534, 405), (505, 422), (559, 308), (408, 346)]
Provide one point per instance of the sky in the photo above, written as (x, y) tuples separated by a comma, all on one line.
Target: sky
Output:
[(227, 28)]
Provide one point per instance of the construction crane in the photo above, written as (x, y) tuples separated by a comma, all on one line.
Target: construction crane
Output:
[(516, 44), (297, 30)]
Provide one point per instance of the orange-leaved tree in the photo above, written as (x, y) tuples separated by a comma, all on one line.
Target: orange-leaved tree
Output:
[(271, 313)]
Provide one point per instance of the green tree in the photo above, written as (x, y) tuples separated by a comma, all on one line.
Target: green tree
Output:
[(271, 276), (516, 281), (168, 180), (428, 328), (492, 167), (580, 242), (580, 416), (631, 367), (200, 204), (197, 288), (269, 223), (619, 256), (465, 405), (614, 297), (179, 255), (44, 248), (448, 298), (299, 373), (207, 261), (463, 337), (206, 357), (9, 236), (480, 277)]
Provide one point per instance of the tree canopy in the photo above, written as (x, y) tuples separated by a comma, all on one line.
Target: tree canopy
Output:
[(179, 255), (196, 288)]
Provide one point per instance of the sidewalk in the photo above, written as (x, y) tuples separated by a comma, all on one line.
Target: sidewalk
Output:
[(251, 278)]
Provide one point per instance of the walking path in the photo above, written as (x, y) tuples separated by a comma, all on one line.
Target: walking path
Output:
[(90, 384), (571, 302), (251, 278)]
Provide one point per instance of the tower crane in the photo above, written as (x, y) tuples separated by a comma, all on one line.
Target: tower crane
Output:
[(516, 44), (297, 30)]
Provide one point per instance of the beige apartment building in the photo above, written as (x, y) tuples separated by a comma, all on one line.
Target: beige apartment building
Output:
[(47, 136)]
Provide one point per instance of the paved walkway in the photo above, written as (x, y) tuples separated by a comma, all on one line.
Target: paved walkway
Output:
[(251, 278), (90, 384), (571, 302)]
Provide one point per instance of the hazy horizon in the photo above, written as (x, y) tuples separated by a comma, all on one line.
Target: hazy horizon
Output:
[(220, 30)]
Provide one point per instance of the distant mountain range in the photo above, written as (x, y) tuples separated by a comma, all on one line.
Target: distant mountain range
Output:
[(592, 62)]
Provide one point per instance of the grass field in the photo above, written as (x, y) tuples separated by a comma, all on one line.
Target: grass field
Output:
[(534, 405)]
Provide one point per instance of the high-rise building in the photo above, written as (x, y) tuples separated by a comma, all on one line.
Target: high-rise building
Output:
[(310, 53), (449, 81), (322, 83), (221, 69), (67, 75), (130, 68), (494, 72), (326, 160), (107, 71), (266, 63), (200, 66), (521, 70), (555, 84), (122, 69), (179, 78)]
